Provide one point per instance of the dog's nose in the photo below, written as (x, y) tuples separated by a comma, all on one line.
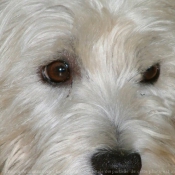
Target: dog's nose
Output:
[(116, 163)]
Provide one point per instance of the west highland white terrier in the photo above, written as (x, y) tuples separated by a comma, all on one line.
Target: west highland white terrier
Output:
[(87, 87)]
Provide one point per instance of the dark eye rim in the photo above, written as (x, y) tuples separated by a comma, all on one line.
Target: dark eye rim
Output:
[(47, 80), (155, 78)]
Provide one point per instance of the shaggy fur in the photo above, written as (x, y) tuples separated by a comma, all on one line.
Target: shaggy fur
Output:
[(48, 129)]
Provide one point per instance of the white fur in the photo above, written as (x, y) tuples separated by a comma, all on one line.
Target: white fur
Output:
[(109, 43)]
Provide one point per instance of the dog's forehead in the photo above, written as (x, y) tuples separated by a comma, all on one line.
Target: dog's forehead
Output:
[(98, 37), (108, 38), (102, 37)]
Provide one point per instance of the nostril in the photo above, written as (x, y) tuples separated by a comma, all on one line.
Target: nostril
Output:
[(113, 162)]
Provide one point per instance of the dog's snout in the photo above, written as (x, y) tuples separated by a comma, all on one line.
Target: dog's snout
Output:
[(114, 162)]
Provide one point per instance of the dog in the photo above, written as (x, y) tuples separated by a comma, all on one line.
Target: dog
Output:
[(87, 87)]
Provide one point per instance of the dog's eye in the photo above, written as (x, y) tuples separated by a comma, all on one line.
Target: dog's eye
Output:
[(151, 74), (56, 72)]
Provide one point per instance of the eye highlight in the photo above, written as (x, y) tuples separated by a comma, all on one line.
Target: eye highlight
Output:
[(56, 72), (151, 75)]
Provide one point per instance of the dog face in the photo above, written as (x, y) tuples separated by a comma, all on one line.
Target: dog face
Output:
[(87, 87)]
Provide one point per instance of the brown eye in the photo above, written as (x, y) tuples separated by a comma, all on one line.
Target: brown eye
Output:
[(56, 72), (151, 74)]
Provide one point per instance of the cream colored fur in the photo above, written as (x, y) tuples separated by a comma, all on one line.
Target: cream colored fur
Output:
[(108, 43)]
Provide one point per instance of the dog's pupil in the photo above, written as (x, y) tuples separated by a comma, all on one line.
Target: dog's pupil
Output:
[(60, 70), (56, 72), (151, 74)]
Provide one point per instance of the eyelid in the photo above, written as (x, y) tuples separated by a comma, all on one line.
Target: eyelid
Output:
[(143, 69)]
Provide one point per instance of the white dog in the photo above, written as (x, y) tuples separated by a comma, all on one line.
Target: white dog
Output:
[(87, 87)]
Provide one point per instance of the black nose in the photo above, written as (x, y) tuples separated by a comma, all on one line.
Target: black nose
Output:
[(116, 163)]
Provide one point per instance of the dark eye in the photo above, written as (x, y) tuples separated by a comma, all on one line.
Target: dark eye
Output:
[(151, 75), (56, 72)]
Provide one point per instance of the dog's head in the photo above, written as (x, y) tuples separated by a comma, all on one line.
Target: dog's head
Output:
[(87, 87)]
